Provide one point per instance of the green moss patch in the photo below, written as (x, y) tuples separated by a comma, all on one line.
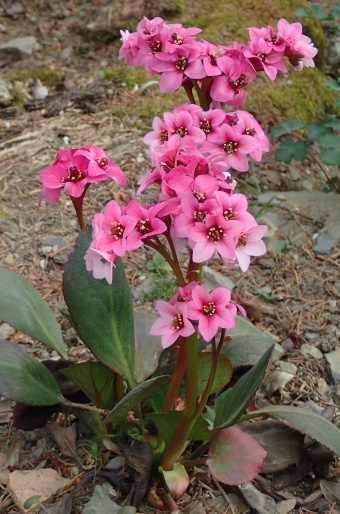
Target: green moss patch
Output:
[(48, 77)]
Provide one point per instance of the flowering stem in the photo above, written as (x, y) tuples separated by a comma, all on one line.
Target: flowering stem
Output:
[(174, 255), (78, 206), (194, 271), (178, 441), (177, 376), (157, 245), (188, 85)]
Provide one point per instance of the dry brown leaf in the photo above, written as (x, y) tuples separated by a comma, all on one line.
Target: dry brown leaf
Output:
[(65, 437)]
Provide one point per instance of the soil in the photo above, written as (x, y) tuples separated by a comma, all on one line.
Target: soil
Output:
[(293, 296)]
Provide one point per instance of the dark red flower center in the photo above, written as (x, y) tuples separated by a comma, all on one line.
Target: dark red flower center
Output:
[(242, 241), (229, 214), (205, 126), (181, 131), (176, 39), (155, 46), (144, 226), (75, 175), (215, 233), (181, 63), (102, 162), (209, 309), (177, 322), (117, 230), (200, 216), (230, 146)]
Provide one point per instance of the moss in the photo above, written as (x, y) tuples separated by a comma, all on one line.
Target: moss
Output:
[(127, 76), (48, 77)]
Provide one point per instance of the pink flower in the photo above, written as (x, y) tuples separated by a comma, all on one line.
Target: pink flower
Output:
[(193, 212), (250, 243), (235, 207), (182, 124), (100, 263), (216, 234), (253, 128), (173, 322), (211, 310), (147, 222), (159, 135), (69, 172), (184, 62), (300, 49), (115, 227), (231, 146), (100, 165)]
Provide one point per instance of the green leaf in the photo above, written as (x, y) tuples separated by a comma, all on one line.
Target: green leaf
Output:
[(330, 141), (331, 157), (248, 344), (148, 348), (291, 149), (333, 84), (26, 380), (231, 404), (167, 422), (333, 123), (223, 373), (302, 13), (305, 421), (317, 129), (22, 307), (32, 501), (102, 313), (283, 246), (96, 380), (286, 127), (134, 397), (319, 13)]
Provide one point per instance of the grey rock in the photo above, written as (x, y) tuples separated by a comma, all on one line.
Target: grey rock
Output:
[(19, 48), (333, 359), (6, 331), (324, 244), (334, 54), (5, 96), (310, 336), (100, 502), (311, 351), (212, 279), (316, 205)]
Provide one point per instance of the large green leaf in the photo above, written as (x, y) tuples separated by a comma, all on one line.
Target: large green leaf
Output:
[(134, 397), (286, 127), (26, 380), (22, 307), (148, 348), (231, 404), (102, 313), (95, 380), (223, 374), (167, 422), (248, 344), (305, 421)]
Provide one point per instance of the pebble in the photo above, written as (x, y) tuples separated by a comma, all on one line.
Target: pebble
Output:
[(6, 331), (333, 359), (324, 244), (323, 387), (212, 279), (310, 336), (311, 351)]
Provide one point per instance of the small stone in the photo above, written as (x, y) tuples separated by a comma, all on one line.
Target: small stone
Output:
[(310, 336), (212, 279), (100, 502), (19, 48), (288, 367), (325, 244), (5, 96), (333, 359), (6, 331), (323, 387), (311, 351), (287, 345)]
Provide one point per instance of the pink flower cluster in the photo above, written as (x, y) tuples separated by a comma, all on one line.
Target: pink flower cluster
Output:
[(74, 169), (220, 140), (192, 306), (173, 52), (196, 204)]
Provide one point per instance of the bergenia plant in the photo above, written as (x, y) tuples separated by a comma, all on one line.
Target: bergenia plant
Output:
[(172, 389)]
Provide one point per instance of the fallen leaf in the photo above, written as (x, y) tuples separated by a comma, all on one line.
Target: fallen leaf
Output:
[(5, 411), (45, 483), (65, 437), (276, 380), (283, 445), (139, 458), (331, 491), (261, 503)]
